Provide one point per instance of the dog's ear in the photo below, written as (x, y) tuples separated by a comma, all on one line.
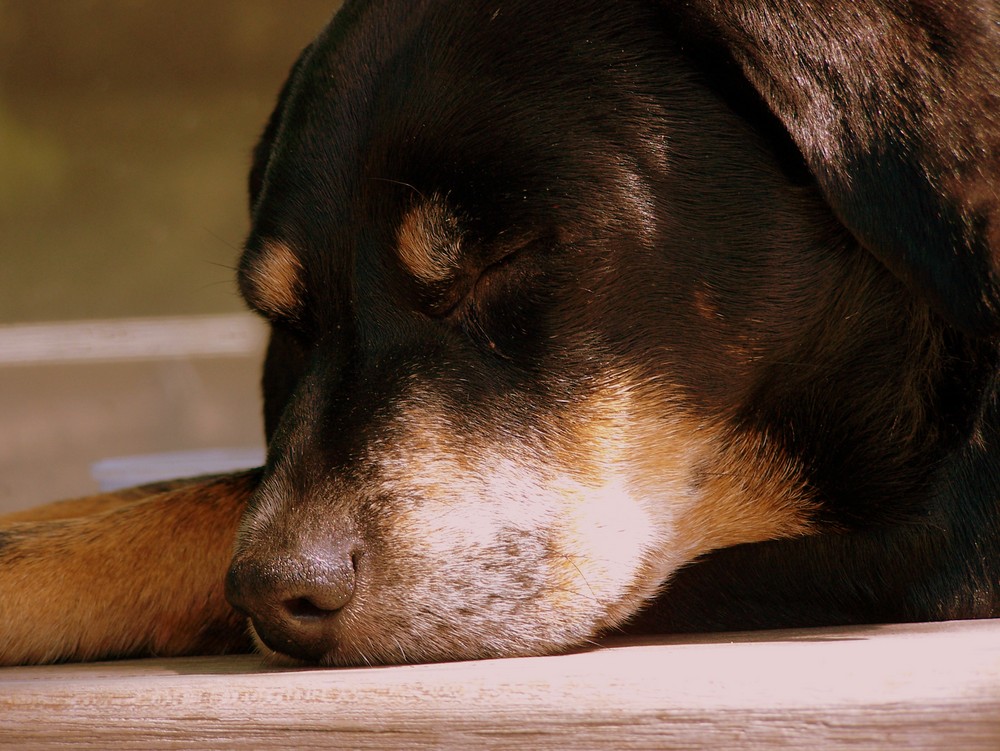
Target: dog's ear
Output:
[(895, 108)]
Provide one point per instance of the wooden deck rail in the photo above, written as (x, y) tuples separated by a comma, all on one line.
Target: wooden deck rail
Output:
[(919, 686)]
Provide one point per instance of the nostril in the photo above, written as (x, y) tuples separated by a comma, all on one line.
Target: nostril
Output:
[(321, 589), (302, 608), (324, 593)]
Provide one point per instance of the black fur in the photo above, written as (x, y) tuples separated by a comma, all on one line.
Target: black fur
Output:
[(786, 209)]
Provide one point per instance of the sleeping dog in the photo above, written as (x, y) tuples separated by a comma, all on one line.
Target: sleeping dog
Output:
[(676, 315)]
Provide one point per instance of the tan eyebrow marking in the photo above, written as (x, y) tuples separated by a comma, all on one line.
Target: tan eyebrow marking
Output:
[(428, 242), (272, 279)]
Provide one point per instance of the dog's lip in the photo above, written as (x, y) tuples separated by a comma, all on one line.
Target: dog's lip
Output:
[(272, 655), (312, 651)]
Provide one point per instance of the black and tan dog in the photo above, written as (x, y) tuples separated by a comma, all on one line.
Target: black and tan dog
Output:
[(655, 315)]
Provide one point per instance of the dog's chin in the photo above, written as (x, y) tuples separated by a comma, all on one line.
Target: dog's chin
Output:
[(340, 654)]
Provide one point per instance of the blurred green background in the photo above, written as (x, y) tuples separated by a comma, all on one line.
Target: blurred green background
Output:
[(125, 133), (126, 128)]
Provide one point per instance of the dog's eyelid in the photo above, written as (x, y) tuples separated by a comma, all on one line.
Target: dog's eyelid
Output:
[(449, 300), (501, 258), (300, 331), (291, 324), (445, 299)]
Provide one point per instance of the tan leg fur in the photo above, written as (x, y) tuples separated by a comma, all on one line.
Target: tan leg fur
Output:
[(134, 573)]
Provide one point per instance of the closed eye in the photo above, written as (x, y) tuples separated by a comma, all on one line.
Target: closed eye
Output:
[(503, 308), (475, 283)]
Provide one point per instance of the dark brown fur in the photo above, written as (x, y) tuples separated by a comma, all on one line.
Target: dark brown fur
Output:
[(645, 315)]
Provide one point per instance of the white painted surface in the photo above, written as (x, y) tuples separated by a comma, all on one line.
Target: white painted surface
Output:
[(126, 471), (72, 394), (238, 334), (919, 686)]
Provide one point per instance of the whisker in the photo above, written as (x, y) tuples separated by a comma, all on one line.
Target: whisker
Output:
[(400, 182)]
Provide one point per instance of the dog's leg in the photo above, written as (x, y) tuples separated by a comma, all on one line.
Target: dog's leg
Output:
[(93, 504), (142, 577)]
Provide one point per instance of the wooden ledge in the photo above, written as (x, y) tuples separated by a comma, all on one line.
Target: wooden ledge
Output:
[(918, 686)]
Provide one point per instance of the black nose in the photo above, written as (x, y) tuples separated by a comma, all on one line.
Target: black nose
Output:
[(295, 598)]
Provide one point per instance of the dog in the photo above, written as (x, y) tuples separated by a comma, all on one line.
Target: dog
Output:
[(675, 315)]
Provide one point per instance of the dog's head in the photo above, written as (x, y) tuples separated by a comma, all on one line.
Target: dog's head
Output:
[(562, 299)]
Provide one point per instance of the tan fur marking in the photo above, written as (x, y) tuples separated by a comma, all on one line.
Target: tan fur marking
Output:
[(750, 494), (704, 304), (274, 278), (428, 242), (698, 488)]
